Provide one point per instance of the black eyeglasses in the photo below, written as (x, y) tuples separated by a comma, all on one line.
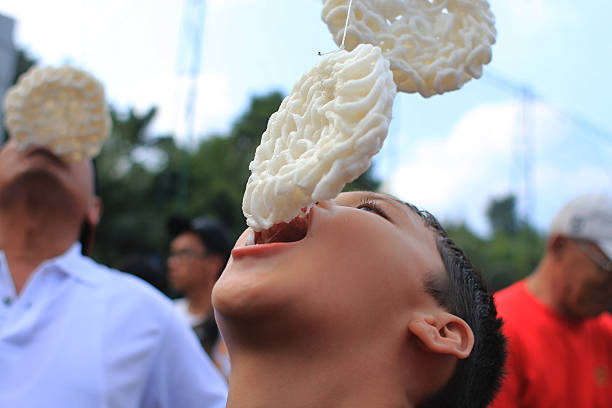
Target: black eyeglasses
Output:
[(184, 254), (601, 260)]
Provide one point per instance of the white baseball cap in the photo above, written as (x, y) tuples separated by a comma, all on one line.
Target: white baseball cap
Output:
[(587, 217)]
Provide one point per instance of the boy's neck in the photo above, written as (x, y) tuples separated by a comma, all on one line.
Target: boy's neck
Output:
[(308, 379)]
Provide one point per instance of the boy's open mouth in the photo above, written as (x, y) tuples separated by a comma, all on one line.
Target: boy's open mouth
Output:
[(291, 231)]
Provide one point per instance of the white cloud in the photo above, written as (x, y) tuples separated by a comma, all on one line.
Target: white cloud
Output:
[(455, 177), (556, 184), (131, 47)]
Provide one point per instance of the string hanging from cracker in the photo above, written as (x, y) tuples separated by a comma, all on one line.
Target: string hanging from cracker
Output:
[(348, 16)]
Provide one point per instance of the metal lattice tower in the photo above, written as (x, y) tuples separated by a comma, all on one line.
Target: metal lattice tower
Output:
[(524, 156), (188, 62), (525, 150)]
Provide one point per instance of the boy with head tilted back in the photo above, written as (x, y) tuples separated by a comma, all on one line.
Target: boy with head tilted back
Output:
[(367, 304)]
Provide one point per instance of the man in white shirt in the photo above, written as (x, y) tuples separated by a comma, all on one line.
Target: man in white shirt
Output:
[(74, 333)]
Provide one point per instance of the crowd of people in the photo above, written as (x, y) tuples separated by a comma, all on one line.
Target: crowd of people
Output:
[(374, 306)]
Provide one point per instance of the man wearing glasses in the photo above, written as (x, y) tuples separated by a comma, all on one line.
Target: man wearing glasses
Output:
[(198, 254), (557, 320)]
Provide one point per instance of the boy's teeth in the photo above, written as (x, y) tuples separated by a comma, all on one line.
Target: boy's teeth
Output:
[(250, 240), (292, 231)]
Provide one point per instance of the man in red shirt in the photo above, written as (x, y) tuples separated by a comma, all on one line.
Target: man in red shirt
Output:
[(556, 320)]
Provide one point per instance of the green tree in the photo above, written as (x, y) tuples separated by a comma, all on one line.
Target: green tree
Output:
[(126, 186), (23, 62), (206, 181), (214, 175), (501, 214), (510, 253), (218, 169)]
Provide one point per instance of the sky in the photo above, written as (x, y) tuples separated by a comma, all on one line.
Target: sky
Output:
[(537, 124)]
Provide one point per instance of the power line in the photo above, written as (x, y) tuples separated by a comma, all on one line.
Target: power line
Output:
[(523, 140), (524, 137), (519, 88)]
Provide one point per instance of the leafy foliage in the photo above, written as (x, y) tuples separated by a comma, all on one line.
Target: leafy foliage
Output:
[(502, 215), (510, 253), (23, 62), (206, 181), (140, 195)]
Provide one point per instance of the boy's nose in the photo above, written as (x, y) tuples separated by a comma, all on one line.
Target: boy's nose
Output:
[(326, 204)]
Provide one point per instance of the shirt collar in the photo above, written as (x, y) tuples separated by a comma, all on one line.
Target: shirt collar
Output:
[(6, 282), (74, 264)]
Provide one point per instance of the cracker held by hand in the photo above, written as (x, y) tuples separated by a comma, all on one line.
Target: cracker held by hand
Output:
[(434, 46), (323, 136), (61, 108)]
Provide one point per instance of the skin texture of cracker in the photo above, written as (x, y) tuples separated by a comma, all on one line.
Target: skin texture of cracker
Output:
[(62, 108), (434, 46), (323, 136)]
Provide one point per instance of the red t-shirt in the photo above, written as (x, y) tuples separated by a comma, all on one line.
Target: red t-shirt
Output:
[(553, 362)]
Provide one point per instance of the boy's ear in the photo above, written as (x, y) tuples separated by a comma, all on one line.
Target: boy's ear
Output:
[(443, 333)]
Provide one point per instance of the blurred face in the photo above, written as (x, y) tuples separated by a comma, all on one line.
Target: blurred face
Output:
[(36, 170), (588, 289), (187, 264), (359, 269)]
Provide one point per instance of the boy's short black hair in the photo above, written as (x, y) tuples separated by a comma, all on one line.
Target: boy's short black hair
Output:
[(477, 378)]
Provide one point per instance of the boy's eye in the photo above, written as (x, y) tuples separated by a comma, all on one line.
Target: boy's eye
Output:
[(372, 207)]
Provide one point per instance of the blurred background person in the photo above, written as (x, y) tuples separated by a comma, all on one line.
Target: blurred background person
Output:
[(74, 333), (149, 268), (557, 319), (198, 254)]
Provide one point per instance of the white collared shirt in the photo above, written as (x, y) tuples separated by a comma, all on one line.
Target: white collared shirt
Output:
[(83, 335)]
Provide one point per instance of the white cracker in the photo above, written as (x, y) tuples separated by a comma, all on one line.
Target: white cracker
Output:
[(62, 108), (434, 46), (323, 136)]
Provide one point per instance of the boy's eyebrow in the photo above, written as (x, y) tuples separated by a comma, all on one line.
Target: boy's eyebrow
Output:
[(390, 199), (393, 202)]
